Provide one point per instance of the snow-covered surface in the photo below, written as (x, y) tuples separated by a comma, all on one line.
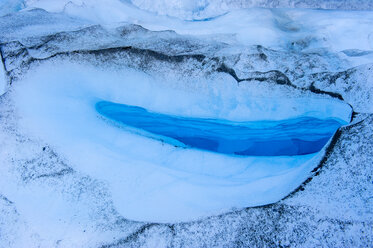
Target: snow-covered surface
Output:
[(35, 23), (274, 28), (151, 180), (190, 9), (68, 179), (187, 9), (333, 209)]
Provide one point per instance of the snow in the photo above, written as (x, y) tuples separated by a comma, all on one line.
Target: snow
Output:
[(70, 178), (36, 22), (150, 180), (191, 9), (274, 28), (186, 9)]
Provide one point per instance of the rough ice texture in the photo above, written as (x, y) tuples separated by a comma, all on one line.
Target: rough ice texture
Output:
[(355, 84), (34, 23), (202, 8), (333, 209), (189, 9), (45, 192), (164, 53)]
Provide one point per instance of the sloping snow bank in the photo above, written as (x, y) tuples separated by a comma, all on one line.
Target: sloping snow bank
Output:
[(149, 180)]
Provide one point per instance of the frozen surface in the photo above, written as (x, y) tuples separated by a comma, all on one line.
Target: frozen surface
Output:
[(149, 180), (65, 184), (189, 9), (36, 22), (275, 28), (210, 8)]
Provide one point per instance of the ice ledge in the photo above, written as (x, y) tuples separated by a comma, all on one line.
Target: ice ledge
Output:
[(327, 108)]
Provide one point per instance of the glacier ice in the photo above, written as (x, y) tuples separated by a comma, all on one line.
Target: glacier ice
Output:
[(295, 29), (188, 9), (151, 180), (191, 9), (67, 167)]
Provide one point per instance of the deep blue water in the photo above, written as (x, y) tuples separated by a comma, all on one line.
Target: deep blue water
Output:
[(298, 136)]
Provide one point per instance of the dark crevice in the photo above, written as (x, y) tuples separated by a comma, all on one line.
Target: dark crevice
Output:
[(2, 197), (173, 234), (145, 52), (7, 74), (135, 235), (313, 89), (278, 77), (60, 173), (353, 115), (132, 237), (273, 75), (230, 71), (3, 59)]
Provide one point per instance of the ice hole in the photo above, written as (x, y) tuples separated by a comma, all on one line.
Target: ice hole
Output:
[(297, 136)]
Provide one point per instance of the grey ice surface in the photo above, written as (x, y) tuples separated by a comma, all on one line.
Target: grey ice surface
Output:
[(323, 4)]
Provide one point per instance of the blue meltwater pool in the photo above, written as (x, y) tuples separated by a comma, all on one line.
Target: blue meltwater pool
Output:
[(298, 136)]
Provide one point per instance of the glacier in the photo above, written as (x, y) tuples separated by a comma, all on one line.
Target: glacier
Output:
[(213, 182), (71, 177)]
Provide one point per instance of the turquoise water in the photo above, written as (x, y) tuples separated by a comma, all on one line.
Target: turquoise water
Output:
[(298, 136)]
